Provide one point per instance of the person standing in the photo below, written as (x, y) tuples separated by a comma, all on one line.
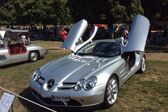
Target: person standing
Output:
[(125, 32), (113, 30), (63, 34)]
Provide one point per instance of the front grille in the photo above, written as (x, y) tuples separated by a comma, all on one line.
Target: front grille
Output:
[(49, 101), (67, 85)]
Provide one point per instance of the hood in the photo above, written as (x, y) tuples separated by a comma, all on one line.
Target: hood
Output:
[(72, 68), (138, 35)]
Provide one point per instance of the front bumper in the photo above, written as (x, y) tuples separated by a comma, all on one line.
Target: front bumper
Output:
[(77, 98)]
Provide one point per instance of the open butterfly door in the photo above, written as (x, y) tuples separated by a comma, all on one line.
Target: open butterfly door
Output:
[(138, 35), (75, 36)]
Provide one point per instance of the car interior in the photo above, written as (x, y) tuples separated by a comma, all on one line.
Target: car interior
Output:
[(16, 48), (129, 57)]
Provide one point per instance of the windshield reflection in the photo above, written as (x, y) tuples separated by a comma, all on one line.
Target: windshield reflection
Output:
[(101, 49)]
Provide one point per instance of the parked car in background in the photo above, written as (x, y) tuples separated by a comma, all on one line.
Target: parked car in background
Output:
[(93, 73), (16, 47)]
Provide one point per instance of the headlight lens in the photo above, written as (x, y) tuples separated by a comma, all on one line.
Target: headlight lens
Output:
[(90, 83), (79, 85), (86, 84), (35, 75)]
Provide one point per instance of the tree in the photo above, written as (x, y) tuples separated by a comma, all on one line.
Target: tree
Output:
[(7, 12), (34, 12), (105, 11), (134, 7), (95, 11), (48, 12), (61, 12), (115, 12), (156, 9)]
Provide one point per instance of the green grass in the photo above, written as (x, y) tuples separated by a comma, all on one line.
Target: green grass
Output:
[(146, 92)]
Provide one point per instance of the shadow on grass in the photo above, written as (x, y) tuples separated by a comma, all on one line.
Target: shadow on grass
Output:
[(30, 106), (34, 108), (156, 49), (13, 64), (18, 63)]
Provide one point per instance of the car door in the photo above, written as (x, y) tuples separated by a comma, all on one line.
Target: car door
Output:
[(138, 34), (20, 54), (74, 37), (136, 43), (5, 56)]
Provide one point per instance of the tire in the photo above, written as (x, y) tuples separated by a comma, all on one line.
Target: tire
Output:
[(111, 92), (143, 65), (33, 56)]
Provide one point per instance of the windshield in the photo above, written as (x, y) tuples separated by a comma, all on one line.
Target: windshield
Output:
[(101, 49)]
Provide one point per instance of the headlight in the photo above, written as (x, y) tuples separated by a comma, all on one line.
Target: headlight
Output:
[(79, 85), (35, 75), (86, 84), (90, 83)]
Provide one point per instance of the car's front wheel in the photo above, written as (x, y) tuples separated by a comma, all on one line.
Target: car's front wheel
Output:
[(111, 91), (33, 56)]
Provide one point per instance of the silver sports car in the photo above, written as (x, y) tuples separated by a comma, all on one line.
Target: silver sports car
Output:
[(15, 47), (95, 71)]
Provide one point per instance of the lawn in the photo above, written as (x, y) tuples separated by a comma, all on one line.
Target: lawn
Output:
[(146, 92)]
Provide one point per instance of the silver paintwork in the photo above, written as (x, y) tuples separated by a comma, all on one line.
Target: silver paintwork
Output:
[(67, 71), (138, 34), (74, 34), (74, 38), (7, 58), (2, 33), (86, 42)]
